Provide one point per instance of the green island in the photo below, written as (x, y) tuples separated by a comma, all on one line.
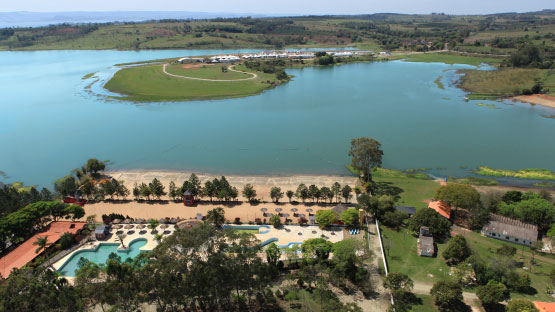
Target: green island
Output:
[(538, 174)]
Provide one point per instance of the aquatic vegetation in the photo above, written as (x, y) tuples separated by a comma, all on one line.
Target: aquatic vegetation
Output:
[(548, 116), (544, 184), (416, 170), (463, 167), (441, 168), (488, 105), (439, 83), (538, 174), (392, 173), (445, 98), (87, 76), (473, 181)]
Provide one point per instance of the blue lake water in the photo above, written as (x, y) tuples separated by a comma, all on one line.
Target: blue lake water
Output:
[(50, 123), (100, 255)]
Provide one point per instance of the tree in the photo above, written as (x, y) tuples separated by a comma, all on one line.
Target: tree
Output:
[(336, 190), (74, 211), (314, 192), (394, 219), (209, 189), (173, 191), (531, 209), (249, 192), (216, 217), (194, 185), (276, 194), (398, 281), (302, 192), (152, 225), (273, 253), (439, 226), (447, 294), (346, 193), (275, 220), (376, 205), (512, 197), (520, 305), (326, 218), (492, 293), (66, 240), (289, 194), (145, 190), (121, 190), (136, 192), (157, 188), (457, 250), (120, 238), (506, 250), (458, 195), (366, 156), (350, 217), (318, 247), (66, 186), (326, 194), (42, 243), (94, 166)]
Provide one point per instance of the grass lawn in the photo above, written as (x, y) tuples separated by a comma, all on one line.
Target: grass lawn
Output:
[(486, 247), (538, 174), (206, 72), (247, 231), (415, 192), (450, 59), (426, 304), (149, 84), (402, 257), (504, 82)]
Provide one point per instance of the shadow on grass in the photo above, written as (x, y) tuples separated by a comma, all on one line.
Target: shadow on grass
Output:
[(387, 188)]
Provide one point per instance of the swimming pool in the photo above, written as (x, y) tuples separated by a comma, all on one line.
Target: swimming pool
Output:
[(100, 254)]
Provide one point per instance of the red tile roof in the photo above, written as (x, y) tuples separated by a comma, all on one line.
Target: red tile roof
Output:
[(25, 252), (440, 208), (545, 306)]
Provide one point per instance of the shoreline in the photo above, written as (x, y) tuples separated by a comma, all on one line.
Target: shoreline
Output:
[(536, 99)]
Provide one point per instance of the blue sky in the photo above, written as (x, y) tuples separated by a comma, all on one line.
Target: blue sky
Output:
[(282, 6)]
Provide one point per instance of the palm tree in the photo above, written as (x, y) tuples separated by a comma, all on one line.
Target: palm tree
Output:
[(42, 243), (153, 224), (121, 237), (216, 216)]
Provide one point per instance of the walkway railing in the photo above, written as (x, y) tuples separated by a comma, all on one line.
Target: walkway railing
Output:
[(66, 252)]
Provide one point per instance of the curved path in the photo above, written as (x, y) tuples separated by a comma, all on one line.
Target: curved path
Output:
[(230, 68)]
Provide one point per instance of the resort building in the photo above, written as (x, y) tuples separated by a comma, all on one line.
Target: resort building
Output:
[(187, 60), (545, 306), (425, 243), (101, 231), (443, 209), (26, 252), (510, 230), (224, 59)]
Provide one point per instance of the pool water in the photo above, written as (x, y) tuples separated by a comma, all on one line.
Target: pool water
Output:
[(100, 255)]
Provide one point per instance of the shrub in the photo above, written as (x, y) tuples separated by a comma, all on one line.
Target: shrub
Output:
[(66, 240)]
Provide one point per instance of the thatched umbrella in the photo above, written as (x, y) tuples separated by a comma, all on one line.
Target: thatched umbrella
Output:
[(141, 226), (117, 226), (119, 232), (294, 209), (161, 221), (278, 209), (285, 215), (129, 226), (116, 221), (309, 210), (269, 214), (127, 221), (140, 221), (263, 209), (302, 215), (174, 220), (164, 226)]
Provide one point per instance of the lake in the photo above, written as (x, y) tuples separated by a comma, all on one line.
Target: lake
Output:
[(51, 123)]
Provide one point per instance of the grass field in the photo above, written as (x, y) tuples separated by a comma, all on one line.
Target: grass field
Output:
[(505, 82), (426, 304), (402, 257), (450, 59), (473, 181), (149, 84), (209, 71), (486, 247)]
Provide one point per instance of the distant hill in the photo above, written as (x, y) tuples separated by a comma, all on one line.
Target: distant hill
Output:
[(37, 19)]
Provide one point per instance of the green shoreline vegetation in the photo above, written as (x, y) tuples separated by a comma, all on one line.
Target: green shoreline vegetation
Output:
[(536, 174), (439, 83), (87, 76)]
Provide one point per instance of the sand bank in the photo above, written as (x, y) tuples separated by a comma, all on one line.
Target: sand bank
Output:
[(536, 99)]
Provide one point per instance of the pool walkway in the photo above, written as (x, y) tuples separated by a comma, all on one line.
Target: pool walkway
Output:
[(25, 252)]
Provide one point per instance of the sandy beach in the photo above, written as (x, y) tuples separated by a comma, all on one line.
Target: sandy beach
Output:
[(240, 209), (536, 99)]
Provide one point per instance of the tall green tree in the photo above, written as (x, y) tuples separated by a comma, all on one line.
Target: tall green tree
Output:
[(302, 192), (492, 293), (447, 295), (289, 194), (66, 186), (336, 190), (350, 217), (314, 192), (440, 227), (457, 250), (325, 218), (318, 247), (273, 253), (42, 244), (346, 192), (249, 192), (276, 194), (94, 165), (458, 196), (216, 217), (157, 189), (366, 156)]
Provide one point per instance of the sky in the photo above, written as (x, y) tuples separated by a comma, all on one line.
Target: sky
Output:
[(278, 7)]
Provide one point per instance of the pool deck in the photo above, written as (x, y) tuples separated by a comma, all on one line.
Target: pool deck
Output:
[(288, 234), (113, 239)]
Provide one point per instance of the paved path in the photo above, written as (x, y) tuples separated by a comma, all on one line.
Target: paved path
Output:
[(230, 68)]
